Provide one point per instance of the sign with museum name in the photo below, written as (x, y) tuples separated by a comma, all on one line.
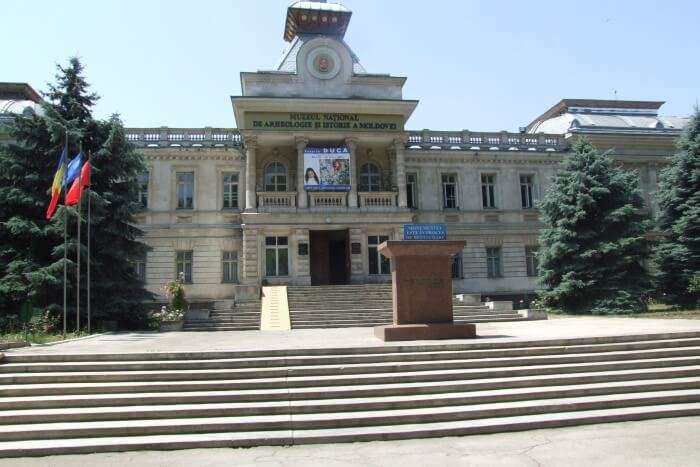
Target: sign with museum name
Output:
[(425, 232), (324, 121)]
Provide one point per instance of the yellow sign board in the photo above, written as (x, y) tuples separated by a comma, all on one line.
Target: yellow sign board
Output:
[(328, 121)]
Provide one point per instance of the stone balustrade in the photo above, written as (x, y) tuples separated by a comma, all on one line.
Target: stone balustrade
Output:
[(484, 141), (377, 199), (327, 199), (276, 199), (164, 137)]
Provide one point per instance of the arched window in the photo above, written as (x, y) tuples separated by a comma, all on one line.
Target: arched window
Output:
[(370, 177), (275, 177)]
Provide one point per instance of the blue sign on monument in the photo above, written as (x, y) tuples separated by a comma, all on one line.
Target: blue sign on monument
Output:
[(425, 232)]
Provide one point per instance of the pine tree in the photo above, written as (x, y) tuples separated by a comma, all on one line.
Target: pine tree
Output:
[(677, 257), (31, 249), (593, 245)]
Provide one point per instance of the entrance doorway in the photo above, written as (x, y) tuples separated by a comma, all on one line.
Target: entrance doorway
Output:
[(330, 257)]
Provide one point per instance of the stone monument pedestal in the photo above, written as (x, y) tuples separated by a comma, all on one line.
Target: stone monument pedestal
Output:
[(422, 291)]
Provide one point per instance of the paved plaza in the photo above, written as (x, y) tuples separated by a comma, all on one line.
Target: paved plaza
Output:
[(568, 328), (668, 442)]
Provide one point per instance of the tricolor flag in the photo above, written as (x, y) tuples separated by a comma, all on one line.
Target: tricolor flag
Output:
[(76, 190), (57, 183), (72, 170)]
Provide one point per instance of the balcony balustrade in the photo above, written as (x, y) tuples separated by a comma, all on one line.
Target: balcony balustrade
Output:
[(268, 200), (377, 199), (327, 199)]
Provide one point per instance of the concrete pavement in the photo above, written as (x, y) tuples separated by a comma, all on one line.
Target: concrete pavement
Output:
[(568, 328), (668, 443)]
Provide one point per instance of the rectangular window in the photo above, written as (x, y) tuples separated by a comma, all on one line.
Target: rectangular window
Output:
[(527, 188), (229, 267), (456, 264), (378, 263), (143, 190), (531, 261), (493, 262), (140, 269), (276, 256), (449, 191), (183, 262), (488, 191), (411, 190), (185, 190), (230, 187)]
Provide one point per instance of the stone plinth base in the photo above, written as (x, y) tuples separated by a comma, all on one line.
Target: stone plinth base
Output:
[(419, 332)]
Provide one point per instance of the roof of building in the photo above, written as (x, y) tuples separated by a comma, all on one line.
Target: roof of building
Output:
[(602, 115), (317, 17), (16, 98)]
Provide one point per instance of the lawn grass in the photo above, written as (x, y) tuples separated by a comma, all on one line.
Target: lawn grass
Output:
[(39, 338), (656, 311)]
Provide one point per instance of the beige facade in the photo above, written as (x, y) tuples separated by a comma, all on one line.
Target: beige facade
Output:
[(251, 222)]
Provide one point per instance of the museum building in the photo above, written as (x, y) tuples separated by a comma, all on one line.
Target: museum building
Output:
[(320, 169)]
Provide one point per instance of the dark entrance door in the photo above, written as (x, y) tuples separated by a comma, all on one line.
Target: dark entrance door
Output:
[(330, 257)]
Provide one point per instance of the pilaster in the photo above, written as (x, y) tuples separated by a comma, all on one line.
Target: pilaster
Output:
[(351, 143), (302, 199), (251, 144), (400, 161)]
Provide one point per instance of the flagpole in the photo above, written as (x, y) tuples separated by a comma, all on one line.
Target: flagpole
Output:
[(77, 274), (89, 161), (65, 254)]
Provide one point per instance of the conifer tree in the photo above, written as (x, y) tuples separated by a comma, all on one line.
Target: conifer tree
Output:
[(31, 249), (677, 257), (593, 245)]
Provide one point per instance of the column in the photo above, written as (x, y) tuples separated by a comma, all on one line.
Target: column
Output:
[(251, 144), (351, 143), (250, 256), (301, 193), (401, 172)]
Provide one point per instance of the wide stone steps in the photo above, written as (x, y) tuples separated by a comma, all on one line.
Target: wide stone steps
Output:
[(53, 403), (366, 306), (226, 315)]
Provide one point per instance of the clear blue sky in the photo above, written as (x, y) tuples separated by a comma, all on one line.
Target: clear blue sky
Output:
[(479, 65)]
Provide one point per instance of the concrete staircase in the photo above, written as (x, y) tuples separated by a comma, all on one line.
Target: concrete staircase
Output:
[(53, 404), (337, 306), (227, 315), (481, 314)]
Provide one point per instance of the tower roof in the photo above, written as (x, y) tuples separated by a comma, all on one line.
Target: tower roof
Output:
[(316, 17)]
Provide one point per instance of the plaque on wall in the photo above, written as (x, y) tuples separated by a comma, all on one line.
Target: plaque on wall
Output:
[(303, 249), (356, 248)]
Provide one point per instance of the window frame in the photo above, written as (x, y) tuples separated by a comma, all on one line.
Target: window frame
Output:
[(494, 262), (181, 264), (457, 266), (367, 182), (532, 263), (444, 184), (229, 267), (527, 191), (233, 188), (374, 258), (274, 184), (178, 184), (488, 191), (412, 193), (144, 177), (272, 244)]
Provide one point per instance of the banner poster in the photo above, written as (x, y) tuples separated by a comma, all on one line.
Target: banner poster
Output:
[(327, 169)]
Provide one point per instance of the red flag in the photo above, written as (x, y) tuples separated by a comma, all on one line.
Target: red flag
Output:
[(76, 189)]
